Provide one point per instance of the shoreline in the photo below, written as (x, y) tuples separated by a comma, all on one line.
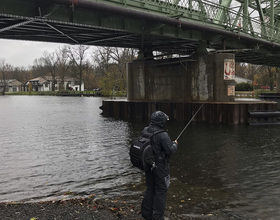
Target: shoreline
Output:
[(76, 208), (125, 208)]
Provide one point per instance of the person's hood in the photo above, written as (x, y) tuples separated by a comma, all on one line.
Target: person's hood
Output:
[(159, 119)]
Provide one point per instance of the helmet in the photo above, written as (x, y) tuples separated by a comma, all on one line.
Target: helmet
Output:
[(159, 118)]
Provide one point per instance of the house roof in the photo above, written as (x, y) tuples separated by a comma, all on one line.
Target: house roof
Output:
[(15, 82), (43, 79), (40, 79), (66, 78), (11, 82)]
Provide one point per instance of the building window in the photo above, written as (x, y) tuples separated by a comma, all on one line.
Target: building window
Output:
[(14, 89)]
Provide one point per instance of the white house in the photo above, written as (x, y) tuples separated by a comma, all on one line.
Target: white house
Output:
[(11, 85), (241, 80), (44, 84)]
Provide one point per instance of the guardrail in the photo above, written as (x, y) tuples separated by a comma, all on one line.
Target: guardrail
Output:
[(239, 94), (204, 11)]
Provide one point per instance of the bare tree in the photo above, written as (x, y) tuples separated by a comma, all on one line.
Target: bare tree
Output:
[(111, 65), (51, 63), (78, 61), (261, 75), (272, 76), (3, 75), (90, 78), (63, 64), (38, 68), (277, 75), (21, 74), (241, 69), (102, 59)]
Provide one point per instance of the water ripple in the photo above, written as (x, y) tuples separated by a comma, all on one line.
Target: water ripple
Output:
[(51, 145), (60, 147)]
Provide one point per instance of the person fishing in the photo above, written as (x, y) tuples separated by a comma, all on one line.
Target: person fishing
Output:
[(158, 178)]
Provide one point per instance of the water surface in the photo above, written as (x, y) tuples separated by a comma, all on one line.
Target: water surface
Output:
[(60, 147)]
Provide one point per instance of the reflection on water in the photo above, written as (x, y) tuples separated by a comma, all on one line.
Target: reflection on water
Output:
[(232, 168), (52, 146)]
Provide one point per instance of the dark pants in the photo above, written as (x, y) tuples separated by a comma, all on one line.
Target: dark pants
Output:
[(153, 204)]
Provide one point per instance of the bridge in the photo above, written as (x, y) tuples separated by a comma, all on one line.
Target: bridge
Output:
[(187, 48), (247, 28)]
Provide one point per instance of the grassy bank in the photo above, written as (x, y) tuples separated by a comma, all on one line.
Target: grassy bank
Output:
[(71, 93), (50, 93)]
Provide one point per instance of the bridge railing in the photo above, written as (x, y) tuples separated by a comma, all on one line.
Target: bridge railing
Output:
[(206, 12)]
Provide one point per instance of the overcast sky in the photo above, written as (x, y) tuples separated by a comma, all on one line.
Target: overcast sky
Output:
[(23, 53)]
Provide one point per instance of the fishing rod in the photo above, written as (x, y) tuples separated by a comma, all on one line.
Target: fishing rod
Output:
[(189, 123)]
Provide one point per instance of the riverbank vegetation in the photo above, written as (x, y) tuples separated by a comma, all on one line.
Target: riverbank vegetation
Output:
[(73, 93), (102, 70), (264, 78)]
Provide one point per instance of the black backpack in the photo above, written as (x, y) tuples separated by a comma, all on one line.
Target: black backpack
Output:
[(141, 151)]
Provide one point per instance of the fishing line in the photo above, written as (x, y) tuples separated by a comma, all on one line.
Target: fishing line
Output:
[(189, 122)]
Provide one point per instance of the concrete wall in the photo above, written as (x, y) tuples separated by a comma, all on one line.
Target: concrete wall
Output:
[(158, 80), (208, 78), (166, 80), (213, 112)]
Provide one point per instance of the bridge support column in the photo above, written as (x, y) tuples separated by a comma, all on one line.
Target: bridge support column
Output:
[(277, 82), (211, 78), (161, 80), (181, 81)]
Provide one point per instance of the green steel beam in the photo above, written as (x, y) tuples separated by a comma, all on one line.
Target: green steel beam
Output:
[(272, 17), (189, 20), (245, 15), (220, 15), (222, 12), (237, 19)]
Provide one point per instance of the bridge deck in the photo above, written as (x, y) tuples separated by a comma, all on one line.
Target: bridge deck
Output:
[(170, 27)]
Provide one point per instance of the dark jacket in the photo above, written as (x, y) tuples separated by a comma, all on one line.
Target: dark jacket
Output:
[(163, 146), (158, 179)]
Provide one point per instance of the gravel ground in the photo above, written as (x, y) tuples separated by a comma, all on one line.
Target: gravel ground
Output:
[(84, 208), (125, 208)]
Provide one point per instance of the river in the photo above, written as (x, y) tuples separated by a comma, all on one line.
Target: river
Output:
[(62, 147)]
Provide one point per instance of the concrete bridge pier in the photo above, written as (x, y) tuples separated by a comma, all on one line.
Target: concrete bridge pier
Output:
[(177, 80), (178, 87)]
